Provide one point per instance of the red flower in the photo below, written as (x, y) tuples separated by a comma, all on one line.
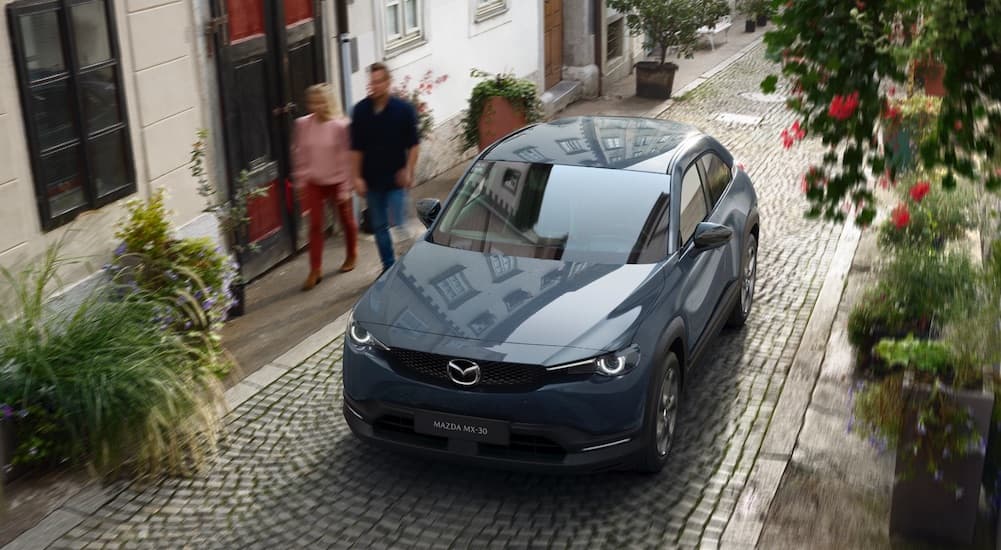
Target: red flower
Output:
[(893, 90), (900, 216), (792, 134), (919, 191), (958, 125), (842, 107), (860, 5), (891, 111)]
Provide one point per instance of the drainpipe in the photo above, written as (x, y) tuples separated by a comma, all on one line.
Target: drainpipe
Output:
[(597, 22)]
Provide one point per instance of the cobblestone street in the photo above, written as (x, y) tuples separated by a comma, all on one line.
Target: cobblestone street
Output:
[(291, 474)]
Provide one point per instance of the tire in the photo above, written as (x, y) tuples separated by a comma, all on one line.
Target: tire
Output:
[(748, 278), (663, 405)]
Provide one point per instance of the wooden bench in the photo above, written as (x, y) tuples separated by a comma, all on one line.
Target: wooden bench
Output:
[(723, 25)]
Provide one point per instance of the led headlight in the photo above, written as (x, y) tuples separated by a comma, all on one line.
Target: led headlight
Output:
[(610, 364), (361, 338)]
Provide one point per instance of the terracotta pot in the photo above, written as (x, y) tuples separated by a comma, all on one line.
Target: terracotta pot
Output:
[(929, 509), (499, 119), (654, 80), (931, 74)]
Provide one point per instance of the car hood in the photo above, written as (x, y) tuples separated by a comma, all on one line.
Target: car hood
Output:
[(492, 298)]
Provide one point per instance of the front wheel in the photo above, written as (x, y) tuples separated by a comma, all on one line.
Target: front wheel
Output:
[(662, 416), (748, 276)]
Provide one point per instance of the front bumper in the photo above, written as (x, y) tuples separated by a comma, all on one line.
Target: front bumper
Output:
[(532, 447)]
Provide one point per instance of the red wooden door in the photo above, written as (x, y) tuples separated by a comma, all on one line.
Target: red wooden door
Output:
[(269, 52)]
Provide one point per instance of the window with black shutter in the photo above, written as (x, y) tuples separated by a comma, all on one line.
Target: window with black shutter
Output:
[(70, 82)]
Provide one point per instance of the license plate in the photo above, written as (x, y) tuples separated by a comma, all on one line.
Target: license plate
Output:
[(483, 430)]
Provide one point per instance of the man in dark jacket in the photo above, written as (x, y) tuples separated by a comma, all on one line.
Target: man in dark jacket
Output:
[(385, 144)]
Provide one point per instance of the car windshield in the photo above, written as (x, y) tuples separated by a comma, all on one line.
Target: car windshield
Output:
[(569, 213)]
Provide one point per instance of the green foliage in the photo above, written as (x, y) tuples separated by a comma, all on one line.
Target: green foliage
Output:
[(753, 8), (98, 383), (665, 24), (924, 356), (521, 94), (942, 215), (831, 50), (232, 214), (711, 11), (874, 316), (189, 278), (930, 286)]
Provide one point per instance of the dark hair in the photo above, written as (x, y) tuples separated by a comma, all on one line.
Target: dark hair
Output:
[(379, 66)]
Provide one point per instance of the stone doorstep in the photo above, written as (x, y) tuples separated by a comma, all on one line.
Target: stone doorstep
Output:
[(560, 96)]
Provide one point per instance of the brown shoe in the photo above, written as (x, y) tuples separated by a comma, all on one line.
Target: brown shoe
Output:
[(311, 281), (349, 263)]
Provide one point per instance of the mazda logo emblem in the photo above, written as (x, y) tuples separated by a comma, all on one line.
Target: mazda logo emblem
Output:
[(463, 372)]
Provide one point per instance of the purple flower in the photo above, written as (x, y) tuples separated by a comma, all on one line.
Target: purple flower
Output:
[(6, 410), (851, 423), (120, 250), (938, 475)]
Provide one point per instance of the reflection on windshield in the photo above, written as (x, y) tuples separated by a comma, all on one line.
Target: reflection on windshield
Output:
[(568, 213)]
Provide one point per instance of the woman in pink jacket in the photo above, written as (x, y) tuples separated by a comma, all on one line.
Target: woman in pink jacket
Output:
[(322, 174)]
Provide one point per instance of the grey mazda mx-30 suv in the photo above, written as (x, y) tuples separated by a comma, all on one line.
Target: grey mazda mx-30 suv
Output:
[(563, 292)]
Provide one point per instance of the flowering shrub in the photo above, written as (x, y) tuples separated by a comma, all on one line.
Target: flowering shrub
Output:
[(190, 278), (840, 60), (427, 83), (927, 218)]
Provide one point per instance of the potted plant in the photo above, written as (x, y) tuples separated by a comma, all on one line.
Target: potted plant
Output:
[(667, 25), (498, 105), (232, 215), (936, 411), (752, 10)]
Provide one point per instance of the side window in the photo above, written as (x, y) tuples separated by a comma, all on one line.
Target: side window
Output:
[(693, 203), (718, 174)]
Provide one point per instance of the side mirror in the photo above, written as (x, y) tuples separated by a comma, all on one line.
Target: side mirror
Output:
[(427, 211), (711, 235)]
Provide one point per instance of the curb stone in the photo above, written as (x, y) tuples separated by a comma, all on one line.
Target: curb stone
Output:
[(747, 522)]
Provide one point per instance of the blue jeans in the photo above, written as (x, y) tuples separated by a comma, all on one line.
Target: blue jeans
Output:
[(385, 208)]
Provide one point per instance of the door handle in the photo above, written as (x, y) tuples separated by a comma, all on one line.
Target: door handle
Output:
[(284, 110)]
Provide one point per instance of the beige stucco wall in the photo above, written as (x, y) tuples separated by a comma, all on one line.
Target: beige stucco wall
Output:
[(163, 104)]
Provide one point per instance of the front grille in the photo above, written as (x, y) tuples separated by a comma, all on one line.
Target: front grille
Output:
[(494, 375)]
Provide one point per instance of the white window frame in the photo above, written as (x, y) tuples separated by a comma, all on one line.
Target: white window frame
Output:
[(487, 9), (409, 36)]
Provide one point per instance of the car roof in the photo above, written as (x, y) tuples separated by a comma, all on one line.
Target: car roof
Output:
[(626, 143)]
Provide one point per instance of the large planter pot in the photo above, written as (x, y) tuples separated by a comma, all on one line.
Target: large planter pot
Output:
[(239, 299), (499, 119), (931, 75), (749, 25), (8, 444), (923, 507), (655, 80), (762, 20)]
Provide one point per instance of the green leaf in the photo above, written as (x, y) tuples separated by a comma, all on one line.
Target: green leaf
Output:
[(769, 84)]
